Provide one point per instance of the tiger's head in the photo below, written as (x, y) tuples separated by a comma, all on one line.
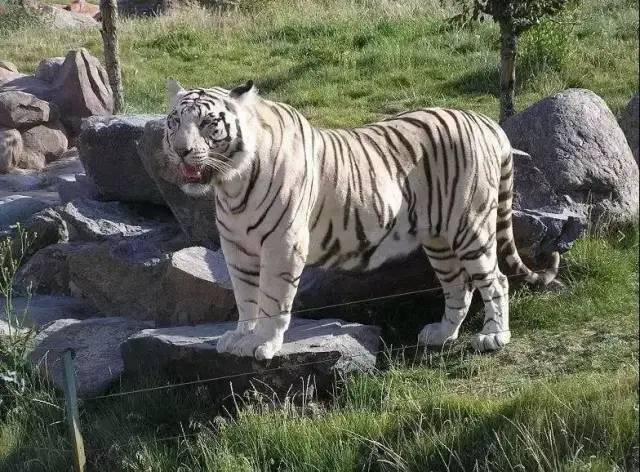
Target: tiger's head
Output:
[(208, 134)]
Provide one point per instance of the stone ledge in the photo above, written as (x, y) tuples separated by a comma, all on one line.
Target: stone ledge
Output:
[(314, 353)]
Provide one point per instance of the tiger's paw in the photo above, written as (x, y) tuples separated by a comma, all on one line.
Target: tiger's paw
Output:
[(437, 334), (483, 342), (228, 340), (267, 350), (250, 345)]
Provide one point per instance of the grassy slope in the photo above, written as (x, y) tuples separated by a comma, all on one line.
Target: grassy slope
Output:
[(562, 396), (343, 63)]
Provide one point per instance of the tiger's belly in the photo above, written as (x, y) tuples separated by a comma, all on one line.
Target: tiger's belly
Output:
[(344, 250)]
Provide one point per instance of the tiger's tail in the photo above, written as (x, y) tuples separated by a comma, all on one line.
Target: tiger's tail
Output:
[(504, 231)]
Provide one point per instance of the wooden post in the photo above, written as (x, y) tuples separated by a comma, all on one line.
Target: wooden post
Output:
[(73, 417), (109, 13)]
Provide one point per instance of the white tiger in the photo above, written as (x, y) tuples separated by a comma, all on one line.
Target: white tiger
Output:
[(289, 194)]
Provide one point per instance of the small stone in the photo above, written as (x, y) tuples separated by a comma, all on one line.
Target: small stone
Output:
[(31, 160), (11, 148), (49, 140)]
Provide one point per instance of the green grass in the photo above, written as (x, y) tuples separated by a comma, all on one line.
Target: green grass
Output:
[(561, 397), (345, 63)]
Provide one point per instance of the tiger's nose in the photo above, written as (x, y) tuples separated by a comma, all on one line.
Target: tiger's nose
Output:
[(183, 152)]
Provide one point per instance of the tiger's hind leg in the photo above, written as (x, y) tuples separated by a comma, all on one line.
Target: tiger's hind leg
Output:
[(480, 262), (457, 292)]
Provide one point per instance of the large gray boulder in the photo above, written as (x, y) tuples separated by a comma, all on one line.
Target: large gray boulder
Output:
[(630, 123), (153, 280), (543, 221), (314, 354), (23, 110), (108, 150), (576, 142), (82, 88), (196, 215), (96, 345)]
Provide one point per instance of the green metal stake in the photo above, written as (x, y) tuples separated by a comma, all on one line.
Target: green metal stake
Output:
[(73, 417)]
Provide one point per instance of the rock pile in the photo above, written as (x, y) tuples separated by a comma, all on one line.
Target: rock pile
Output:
[(41, 114)]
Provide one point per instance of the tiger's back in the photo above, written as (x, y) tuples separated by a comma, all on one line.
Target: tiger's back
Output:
[(387, 187)]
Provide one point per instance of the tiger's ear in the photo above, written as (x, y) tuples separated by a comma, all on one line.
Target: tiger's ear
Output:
[(174, 91), (244, 94)]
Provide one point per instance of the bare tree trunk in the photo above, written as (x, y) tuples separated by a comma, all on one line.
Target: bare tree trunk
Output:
[(109, 13), (508, 49)]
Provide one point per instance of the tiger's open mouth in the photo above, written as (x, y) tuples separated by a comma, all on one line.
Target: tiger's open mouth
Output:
[(196, 174)]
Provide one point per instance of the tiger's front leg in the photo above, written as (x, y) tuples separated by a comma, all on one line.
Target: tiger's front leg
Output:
[(244, 270), (282, 263)]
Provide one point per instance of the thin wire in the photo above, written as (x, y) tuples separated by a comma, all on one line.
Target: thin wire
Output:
[(258, 372), (255, 372), (263, 371), (382, 297)]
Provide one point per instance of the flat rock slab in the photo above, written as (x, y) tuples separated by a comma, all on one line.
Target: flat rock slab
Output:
[(19, 181), (39, 310), (18, 209), (96, 343), (314, 353)]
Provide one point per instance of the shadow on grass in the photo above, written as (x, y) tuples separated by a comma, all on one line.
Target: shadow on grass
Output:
[(485, 80)]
